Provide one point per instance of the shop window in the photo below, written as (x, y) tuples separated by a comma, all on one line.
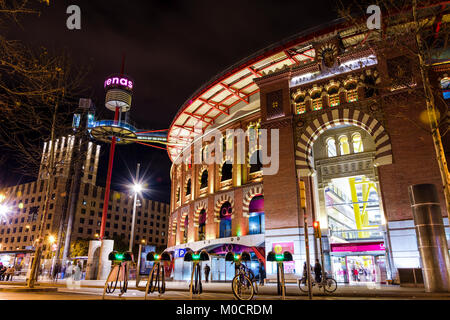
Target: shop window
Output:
[(331, 147), (344, 145), (227, 171), (357, 143), (445, 85), (256, 220), (225, 220), (255, 162), (201, 225)]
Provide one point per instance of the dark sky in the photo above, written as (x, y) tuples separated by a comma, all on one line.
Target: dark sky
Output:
[(171, 47)]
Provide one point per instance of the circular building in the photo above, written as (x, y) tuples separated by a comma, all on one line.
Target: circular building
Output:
[(318, 108)]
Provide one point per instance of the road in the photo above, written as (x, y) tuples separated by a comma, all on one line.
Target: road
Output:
[(96, 294)]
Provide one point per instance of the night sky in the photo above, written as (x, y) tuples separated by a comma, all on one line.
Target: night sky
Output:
[(171, 49)]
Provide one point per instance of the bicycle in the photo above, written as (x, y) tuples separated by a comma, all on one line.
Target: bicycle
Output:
[(328, 284), (244, 283)]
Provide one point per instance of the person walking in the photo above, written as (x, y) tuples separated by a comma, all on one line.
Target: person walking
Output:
[(318, 272), (207, 270), (10, 273), (2, 273), (262, 273)]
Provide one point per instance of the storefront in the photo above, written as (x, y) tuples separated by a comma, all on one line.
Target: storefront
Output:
[(221, 270), (359, 263), (20, 259)]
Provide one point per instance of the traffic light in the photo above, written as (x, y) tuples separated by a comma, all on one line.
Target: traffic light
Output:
[(317, 233), (302, 194)]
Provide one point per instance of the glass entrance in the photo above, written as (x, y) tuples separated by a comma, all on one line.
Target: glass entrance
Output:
[(361, 269)]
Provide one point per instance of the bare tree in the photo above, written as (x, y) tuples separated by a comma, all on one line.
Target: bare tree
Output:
[(38, 92), (420, 33)]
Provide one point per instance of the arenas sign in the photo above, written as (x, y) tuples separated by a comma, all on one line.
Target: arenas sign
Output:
[(119, 81)]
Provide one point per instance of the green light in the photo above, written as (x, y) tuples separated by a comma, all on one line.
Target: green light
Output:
[(236, 257), (156, 257), (279, 257), (195, 256), (119, 256)]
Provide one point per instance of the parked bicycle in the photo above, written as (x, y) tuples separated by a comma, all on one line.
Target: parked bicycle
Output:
[(244, 284), (328, 284)]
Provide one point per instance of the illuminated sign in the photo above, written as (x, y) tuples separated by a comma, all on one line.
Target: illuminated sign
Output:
[(280, 247), (117, 81), (343, 68), (357, 247), (179, 253)]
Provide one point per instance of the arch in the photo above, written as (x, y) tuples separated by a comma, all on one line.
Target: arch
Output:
[(248, 195), (203, 178), (219, 201), (199, 206), (333, 118)]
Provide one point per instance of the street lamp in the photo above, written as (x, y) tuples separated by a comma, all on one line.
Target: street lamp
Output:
[(137, 188), (4, 209)]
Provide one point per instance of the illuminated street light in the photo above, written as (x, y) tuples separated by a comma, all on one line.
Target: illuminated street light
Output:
[(4, 209), (137, 188), (51, 239)]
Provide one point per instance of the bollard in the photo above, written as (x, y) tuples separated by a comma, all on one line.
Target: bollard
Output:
[(431, 239)]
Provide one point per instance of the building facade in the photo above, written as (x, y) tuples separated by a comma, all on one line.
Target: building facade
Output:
[(20, 226), (341, 126)]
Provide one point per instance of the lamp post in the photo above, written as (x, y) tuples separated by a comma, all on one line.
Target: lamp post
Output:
[(137, 188)]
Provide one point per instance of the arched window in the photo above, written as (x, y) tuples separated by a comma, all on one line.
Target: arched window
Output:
[(344, 146), (185, 232), (256, 221), (331, 147), (255, 161), (204, 179), (227, 171), (357, 143), (188, 187), (225, 220), (201, 225)]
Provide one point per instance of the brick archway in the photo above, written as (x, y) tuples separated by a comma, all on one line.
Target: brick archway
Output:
[(333, 118), (249, 193), (219, 201), (199, 206)]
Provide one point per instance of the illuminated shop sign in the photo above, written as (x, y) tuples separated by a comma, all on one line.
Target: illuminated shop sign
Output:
[(357, 247), (342, 68), (117, 81)]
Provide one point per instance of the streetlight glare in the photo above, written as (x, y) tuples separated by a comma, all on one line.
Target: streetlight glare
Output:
[(3, 209), (137, 188), (51, 239)]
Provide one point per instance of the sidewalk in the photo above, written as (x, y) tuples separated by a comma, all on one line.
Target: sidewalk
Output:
[(269, 289)]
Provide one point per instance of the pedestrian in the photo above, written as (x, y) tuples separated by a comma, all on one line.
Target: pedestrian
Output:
[(207, 271), (77, 272), (10, 273), (63, 271), (318, 271), (2, 273), (262, 273)]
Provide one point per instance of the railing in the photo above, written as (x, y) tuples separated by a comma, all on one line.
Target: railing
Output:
[(359, 234), (112, 123)]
